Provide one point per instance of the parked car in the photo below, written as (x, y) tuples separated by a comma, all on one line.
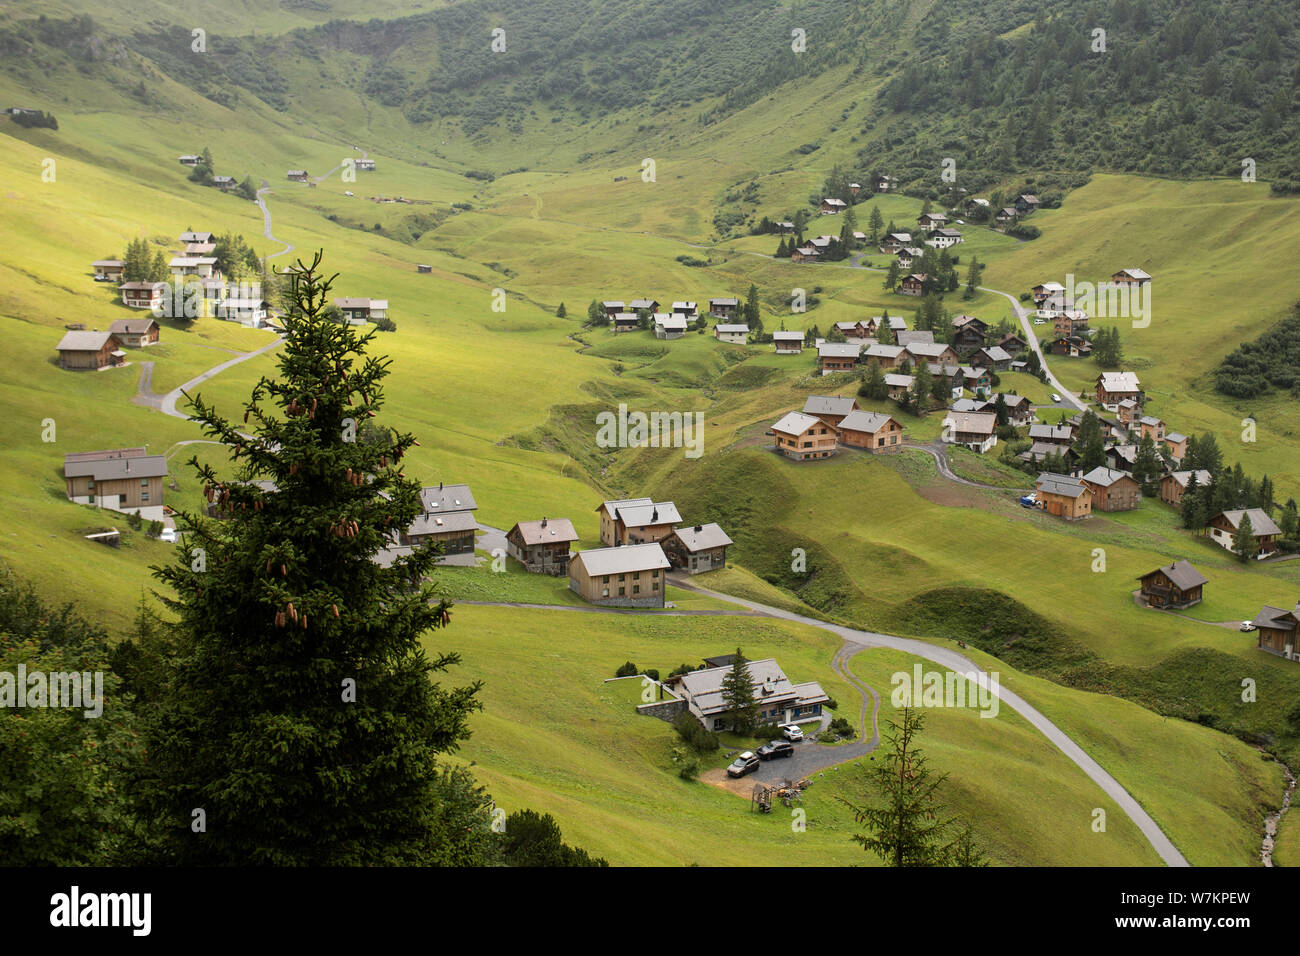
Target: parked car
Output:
[(1029, 500), (745, 763), (791, 732), (1056, 398), (1247, 626), (168, 535), (777, 748)]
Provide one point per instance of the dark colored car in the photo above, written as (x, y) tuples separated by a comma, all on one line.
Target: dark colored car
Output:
[(745, 763), (777, 748)]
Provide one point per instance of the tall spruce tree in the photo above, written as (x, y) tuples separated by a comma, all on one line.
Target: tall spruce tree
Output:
[(300, 715), (738, 695)]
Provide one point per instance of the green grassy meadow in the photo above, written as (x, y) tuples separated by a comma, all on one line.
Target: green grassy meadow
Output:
[(506, 401)]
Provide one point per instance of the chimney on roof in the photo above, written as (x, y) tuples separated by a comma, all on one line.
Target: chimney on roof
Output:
[(440, 486), (654, 516), (543, 521), (699, 528)]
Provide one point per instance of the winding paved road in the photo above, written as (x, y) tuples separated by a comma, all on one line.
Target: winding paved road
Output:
[(856, 641), (1023, 315), (168, 402), (939, 452)]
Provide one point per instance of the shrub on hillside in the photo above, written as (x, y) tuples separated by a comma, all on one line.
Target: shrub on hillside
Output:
[(627, 670), (694, 735)]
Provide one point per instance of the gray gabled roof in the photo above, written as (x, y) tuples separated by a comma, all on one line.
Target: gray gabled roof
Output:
[(445, 498), (863, 421), (1105, 476), (704, 687), (657, 512), (828, 405), (554, 531), (839, 350), (736, 327), (1182, 574), (906, 338), (1260, 522), (83, 341), (442, 523), (1271, 616), (1181, 478), (132, 326), (997, 353), (978, 423), (702, 537), (611, 507), (1061, 485), (795, 423), (126, 465), (627, 559), (783, 335), (1045, 432)]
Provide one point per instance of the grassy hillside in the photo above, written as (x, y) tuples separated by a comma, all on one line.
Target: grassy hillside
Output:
[(507, 401)]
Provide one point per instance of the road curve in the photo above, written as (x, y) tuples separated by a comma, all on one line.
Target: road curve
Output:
[(168, 405), (963, 665), (1023, 315), (936, 450), (266, 224)]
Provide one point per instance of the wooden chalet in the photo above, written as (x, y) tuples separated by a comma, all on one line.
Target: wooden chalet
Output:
[(108, 270), (143, 295), (135, 333), (1175, 585), (1224, 526), (1064, 496), (913, 284), (830, 409), (1174, 485), (87, 351), (1276, 629), (871, 431), (802, 437), (787, 343), (698, 548), (1112, 490), (120, 479), (628, 576), (542, 547), (837, 356)]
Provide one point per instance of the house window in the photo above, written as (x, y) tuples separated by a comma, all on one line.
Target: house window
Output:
[(604, 592), (636, 589), (622, 577), (605, 579), (622, 591), (655, 586), (654, 573), (144, 482), (144, 496), (90, 485)]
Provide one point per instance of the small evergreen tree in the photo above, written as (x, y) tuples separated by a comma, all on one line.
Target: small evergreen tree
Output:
[(1244, 542), (892, 276), (561, 313), (906, 824)]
